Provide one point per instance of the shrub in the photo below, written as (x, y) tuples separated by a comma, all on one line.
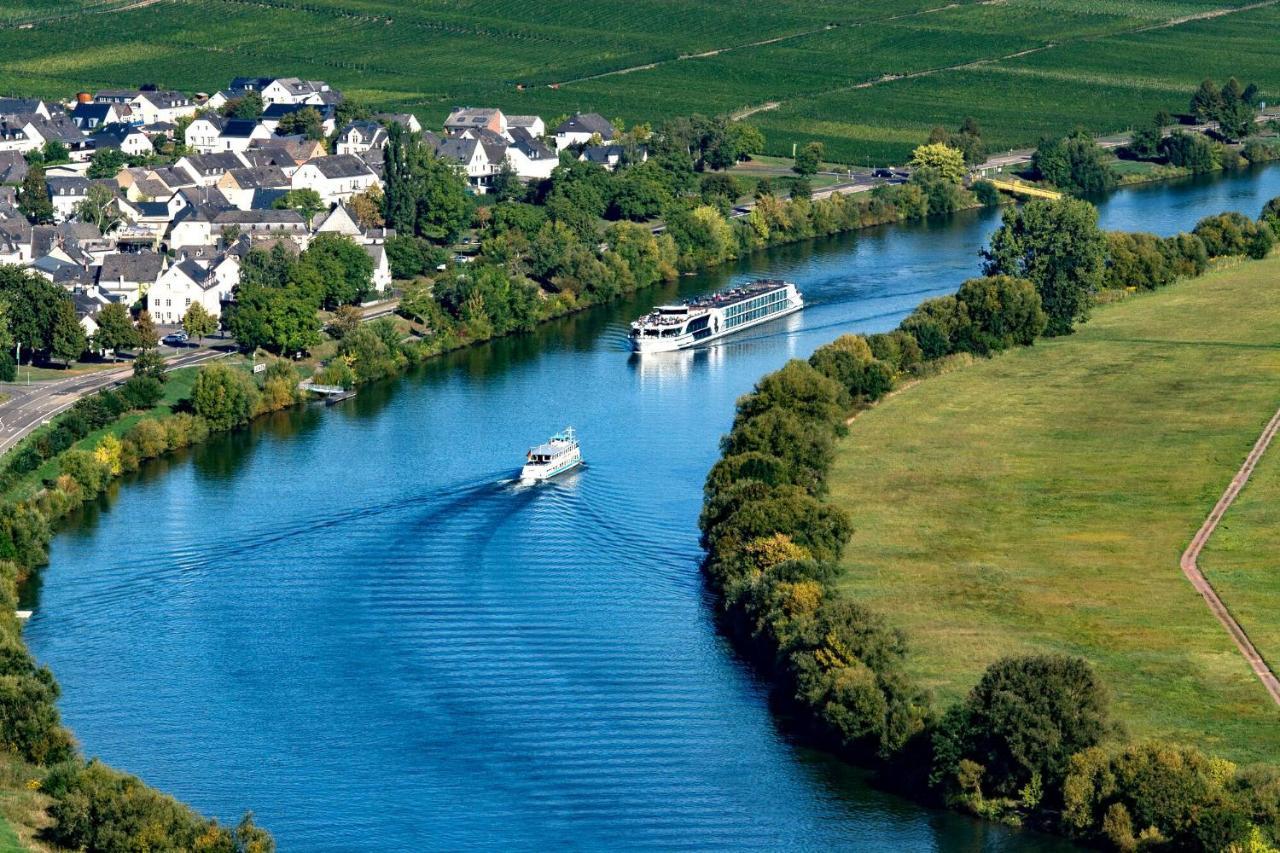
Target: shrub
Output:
[(986, 193), (1234, 234), (184, 430), (224, 397), (142, 392), (1002, 311), (85, 469), (150, 438)]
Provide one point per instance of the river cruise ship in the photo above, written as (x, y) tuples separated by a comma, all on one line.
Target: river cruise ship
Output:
[(559, 454), (699, 321)]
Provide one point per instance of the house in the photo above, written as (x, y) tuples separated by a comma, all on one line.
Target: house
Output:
[(529, 156), (406, 120), (66, 193), (24, 106), (89, 300), (339, 220), (262, 223), (381, 279), (14, 136), (192, 212), (359, 137), (13, 167), (203, 132), (273, 114), (145, 224), (128, 276), (291, 90), (469, 118), (16, 238), (167, 129), (240, 185), (238, 133), (297, 149), (90, 116), (62, 272), (611, 156), (150, 107), (206, 169), (142, 184), (120, 97), (479, 157), (38, 130), (208, 281), (580, 128), (533, 125), (128, 139), (335, 178)]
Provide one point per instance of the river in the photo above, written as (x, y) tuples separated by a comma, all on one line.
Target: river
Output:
[(351, 621)]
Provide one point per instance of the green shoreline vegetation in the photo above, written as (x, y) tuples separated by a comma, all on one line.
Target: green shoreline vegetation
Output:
[(1054, 732)]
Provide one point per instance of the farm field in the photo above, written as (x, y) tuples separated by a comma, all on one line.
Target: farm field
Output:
[(868, 79), (1039, 502)]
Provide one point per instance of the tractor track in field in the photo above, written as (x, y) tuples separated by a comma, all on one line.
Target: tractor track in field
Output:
[(1201, 584)]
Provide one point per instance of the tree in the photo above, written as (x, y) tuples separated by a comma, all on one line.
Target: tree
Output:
[(106, 163), (53, 152), (304, 122), (307, 202), (506, 184), (68, 339), (346, 269), (1145, 143), (1076, 164), (223, 396), (248, 105), (115, 329), (33, 198), (99, 208), (1192, 151), (967, 140), (948, 162), (346, 319), (1206, 103), (279, 319), (1003, 311), (1237, 115), (1059, 247), (366, 207), (148, 337), (1023, 721), (1235, 234), (809, 159), (746, 139), (198, 323), (150, 364), (424, 195)]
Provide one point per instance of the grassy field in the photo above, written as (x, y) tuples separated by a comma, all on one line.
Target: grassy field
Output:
[(1242, 559), (1023, 67), (1039, 501)]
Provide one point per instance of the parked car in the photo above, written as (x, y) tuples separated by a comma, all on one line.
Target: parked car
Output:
[(882, 173), (175, 339)]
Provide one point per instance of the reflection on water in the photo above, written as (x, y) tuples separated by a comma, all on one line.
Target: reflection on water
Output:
[(350, 619)]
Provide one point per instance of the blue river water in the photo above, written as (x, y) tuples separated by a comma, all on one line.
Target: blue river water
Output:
[(350, 620)]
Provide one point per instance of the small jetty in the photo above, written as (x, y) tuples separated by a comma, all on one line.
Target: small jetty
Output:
[(329, 393), (23, 615)]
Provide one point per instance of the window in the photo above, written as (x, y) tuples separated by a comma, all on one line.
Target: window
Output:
[(188, 302)]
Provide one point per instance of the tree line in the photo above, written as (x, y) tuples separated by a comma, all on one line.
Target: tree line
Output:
[(1034, 739)]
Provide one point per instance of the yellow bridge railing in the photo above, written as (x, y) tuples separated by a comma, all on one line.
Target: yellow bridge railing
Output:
[(1019, 188)]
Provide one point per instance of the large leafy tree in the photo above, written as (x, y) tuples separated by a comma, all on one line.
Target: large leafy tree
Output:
[(198, 322), (115, 328), (67, 338), (345, 268), (424, 196), (33, 306), (306, 201), (99, 208), (948, 162), (1076, 164), (33, 198), (1059, 247), (107, 163)]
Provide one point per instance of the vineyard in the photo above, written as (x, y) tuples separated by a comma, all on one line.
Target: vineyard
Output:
[(868, 79)]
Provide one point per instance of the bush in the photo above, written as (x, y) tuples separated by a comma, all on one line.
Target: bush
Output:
[(1002, 311), (224, 397), (1022, 723), (87, 472), (1234, 234), (142, 392), (986, 193)]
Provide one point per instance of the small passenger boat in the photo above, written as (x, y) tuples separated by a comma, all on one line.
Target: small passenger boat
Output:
[(559, 454)]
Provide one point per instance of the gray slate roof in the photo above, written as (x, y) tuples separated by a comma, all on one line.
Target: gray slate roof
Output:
[(130, 267), (588, 123)]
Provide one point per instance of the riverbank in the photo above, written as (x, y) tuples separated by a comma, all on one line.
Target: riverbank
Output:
[(795, 598)]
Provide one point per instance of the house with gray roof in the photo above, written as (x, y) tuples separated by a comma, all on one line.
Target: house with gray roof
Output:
[(580, 128), (335, 178), (128, 276)]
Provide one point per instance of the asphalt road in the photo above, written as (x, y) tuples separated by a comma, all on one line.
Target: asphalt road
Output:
[(29, 406)]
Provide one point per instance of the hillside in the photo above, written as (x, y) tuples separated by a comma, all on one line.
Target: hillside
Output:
[(869, 79), (1039, 501)]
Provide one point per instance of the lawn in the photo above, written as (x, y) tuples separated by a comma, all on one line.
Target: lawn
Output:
[(1023, 67), (1039, 501)]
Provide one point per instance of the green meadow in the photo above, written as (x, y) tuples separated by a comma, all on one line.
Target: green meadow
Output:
[(1039, 501)]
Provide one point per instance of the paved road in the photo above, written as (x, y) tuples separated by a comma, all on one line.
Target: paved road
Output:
[(29, 406), (1201, 583)]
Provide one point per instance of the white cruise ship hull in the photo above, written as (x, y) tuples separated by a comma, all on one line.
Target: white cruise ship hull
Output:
[(642, 344), (534, 472)]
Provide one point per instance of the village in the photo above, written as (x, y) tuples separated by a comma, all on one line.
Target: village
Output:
[(154, 197)]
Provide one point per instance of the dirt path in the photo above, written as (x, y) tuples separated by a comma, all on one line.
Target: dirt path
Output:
[(1201, 583)]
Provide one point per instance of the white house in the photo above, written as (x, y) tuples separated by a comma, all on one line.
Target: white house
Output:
[(203, 132), (291, 90), (206, 281), (127, 138), (580, 128), (239, 133), (533, 125), (66, 193), (151, 107), (381, 280), (339, 220), (129, 276), (335, 178), (479, 157), (207, 169), (529, 157), (361, 136)]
